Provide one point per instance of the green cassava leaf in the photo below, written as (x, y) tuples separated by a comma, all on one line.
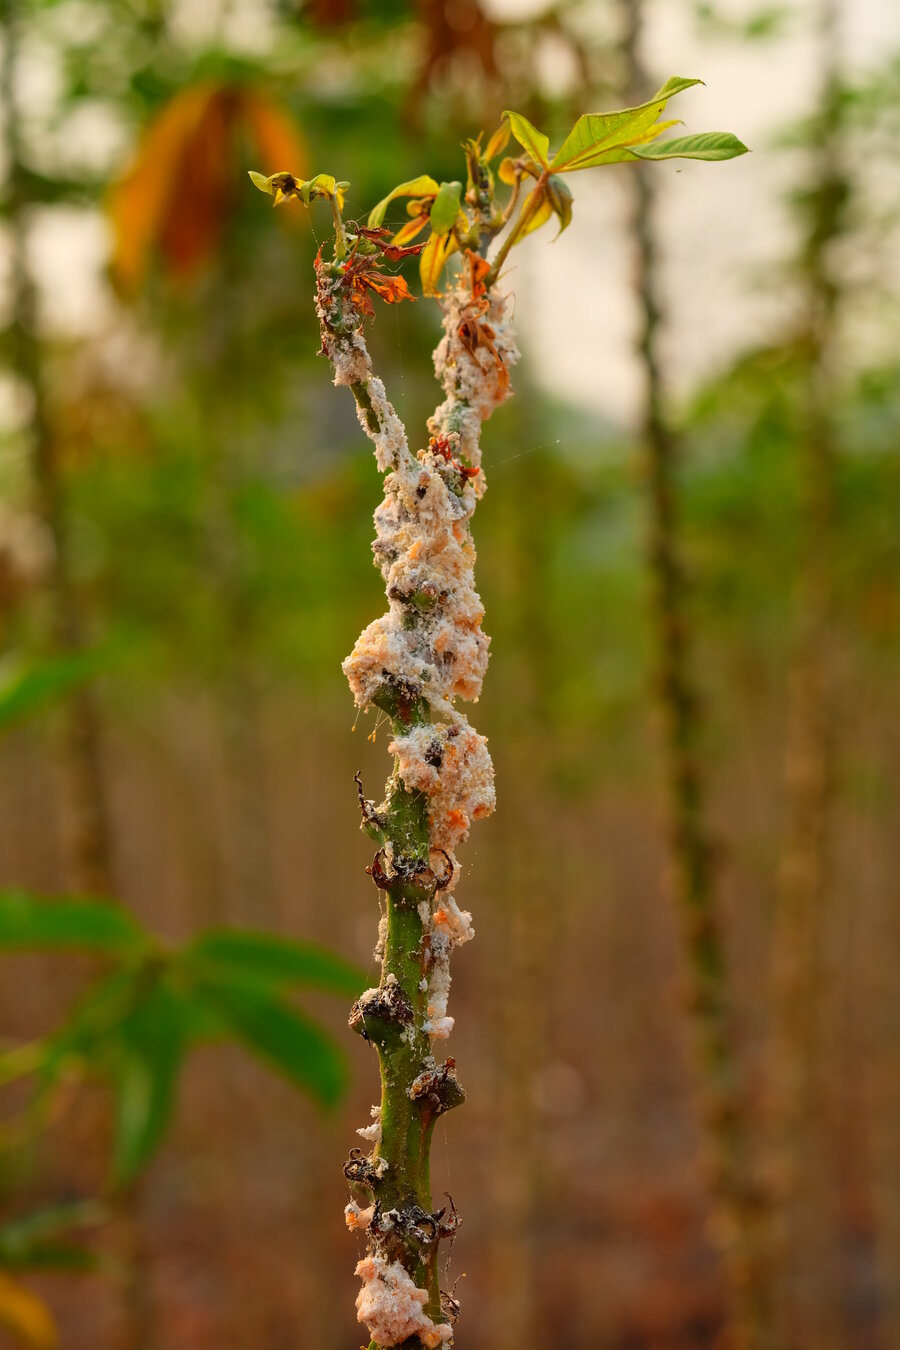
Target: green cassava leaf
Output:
[(91, 925), (145, 1060), (445, 208), (279, 1034), (277, 961), (423, 186), (25, 690), (36, 1241), (708, 145), (533, 141), (602, 138)]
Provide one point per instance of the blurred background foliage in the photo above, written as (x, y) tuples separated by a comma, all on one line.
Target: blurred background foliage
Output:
[(185, 514)]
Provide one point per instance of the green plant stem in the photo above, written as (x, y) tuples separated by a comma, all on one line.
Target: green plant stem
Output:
[(395, 1025), (525, 215), (692, 847), (803, 888)]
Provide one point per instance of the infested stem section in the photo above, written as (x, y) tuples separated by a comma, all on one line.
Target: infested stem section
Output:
[(413, 664)]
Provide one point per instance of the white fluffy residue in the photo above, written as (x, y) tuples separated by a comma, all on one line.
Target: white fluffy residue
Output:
[(372, 1132), (393, 1307), (450, 763), (430, 643), (356, 1218)]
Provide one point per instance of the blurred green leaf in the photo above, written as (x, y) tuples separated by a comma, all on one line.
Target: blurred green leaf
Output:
[(91, 925), (274, 960), (146, 1063), (34, 1241), (24, 691), (282, 1036)]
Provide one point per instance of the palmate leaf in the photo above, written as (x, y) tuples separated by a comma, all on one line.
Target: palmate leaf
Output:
[(279, 1034), (275, 961), (31, 921), (599, 138), (708, 145)]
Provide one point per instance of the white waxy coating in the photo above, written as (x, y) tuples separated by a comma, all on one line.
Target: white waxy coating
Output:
[(392, 1307), (430, 642)]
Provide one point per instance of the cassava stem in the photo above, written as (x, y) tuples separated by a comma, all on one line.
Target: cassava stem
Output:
[(411, 664)]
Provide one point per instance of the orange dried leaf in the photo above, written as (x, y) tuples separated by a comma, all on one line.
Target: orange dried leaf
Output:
[(174, 201), (391, 289)]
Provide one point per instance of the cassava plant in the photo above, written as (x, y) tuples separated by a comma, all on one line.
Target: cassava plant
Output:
[(428, 651)]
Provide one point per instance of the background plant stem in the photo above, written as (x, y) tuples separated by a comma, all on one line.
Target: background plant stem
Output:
[(88, 859), (692, 847)]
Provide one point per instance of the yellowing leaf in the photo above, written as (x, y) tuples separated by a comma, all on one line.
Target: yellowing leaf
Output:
[(433, 259), (498, 142), (423, 186), (409, 230), (603, 138), (537, 201), (507, 171), (530, 139), (26, 1316)]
